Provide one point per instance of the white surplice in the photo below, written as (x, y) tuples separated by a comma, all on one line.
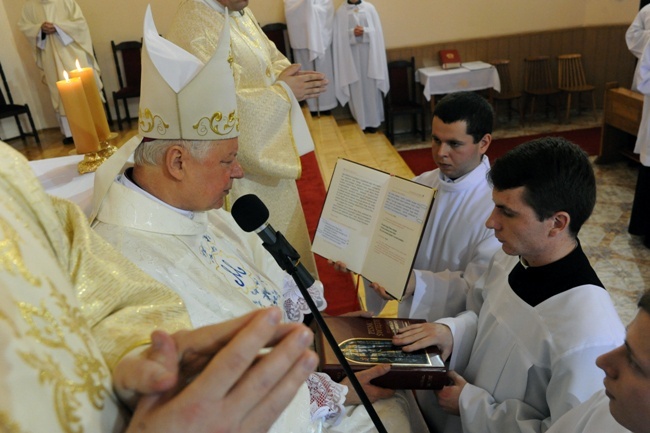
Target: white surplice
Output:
[(456, 247), (592, 416), (310, 24), (636, 37), (526, 366), (360, 63), (642, 78)]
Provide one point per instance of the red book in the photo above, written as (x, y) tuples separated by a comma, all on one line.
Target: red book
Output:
[(367, 341), (449, 59)]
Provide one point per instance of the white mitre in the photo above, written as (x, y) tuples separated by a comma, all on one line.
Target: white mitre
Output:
[(180, 98)]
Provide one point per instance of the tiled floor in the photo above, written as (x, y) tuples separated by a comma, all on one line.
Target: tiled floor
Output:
[(621, 260)]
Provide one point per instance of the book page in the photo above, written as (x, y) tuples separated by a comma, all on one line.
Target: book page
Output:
[(396, 239), (349, 214)]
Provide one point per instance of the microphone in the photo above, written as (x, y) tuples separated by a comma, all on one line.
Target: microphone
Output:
[(251, 214)]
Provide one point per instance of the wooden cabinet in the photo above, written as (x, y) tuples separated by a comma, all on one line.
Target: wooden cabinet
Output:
[(621, 119)]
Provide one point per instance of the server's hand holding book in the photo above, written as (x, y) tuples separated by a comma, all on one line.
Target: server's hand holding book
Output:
[(366, 342)]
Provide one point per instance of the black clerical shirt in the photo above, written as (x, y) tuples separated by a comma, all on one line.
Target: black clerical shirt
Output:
[(535, 285)]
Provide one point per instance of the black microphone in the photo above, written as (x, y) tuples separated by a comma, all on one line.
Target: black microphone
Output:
[(252, 215)]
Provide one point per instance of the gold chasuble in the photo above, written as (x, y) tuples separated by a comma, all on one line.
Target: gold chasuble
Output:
[(67, 298), (268, 142)]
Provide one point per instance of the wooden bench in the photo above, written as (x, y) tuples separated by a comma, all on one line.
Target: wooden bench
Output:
[(621, 119)]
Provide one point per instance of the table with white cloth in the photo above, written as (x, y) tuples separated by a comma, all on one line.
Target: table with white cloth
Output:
[(60, 177), (470, 76)]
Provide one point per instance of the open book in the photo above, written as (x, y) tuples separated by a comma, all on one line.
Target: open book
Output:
[(373, 222)]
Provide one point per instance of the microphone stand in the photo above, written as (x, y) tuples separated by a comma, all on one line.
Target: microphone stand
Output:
[(289, 260)]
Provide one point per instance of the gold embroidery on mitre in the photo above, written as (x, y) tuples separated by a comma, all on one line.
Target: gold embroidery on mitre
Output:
[(218, 124), (149, 121), (11, 259), (50, 330)]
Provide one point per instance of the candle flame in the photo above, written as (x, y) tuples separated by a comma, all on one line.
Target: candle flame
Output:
[(77, 63), (65, 75)]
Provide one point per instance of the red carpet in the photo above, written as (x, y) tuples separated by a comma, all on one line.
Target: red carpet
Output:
[(420, 160), (339, 291)]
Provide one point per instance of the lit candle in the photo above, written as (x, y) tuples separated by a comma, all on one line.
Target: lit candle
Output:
[(87, 76), (76, 109)]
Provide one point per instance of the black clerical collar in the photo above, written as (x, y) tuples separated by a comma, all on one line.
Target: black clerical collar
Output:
[(535, 285)]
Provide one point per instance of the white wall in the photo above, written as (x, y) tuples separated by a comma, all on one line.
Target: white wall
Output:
[(405, 22)]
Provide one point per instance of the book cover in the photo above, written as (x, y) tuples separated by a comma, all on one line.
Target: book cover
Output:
[(449, 59), (373, 222), (367, 341)]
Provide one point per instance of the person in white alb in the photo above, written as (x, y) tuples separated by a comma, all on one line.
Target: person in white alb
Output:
[(59, 35), (528, 356), (456, 247), (360, 64), (166, 215), (624, 405), (637, 38), (310, 24)]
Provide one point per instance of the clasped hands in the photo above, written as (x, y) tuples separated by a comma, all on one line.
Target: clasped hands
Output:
[(48, 28), (215, 378), (304, 84)]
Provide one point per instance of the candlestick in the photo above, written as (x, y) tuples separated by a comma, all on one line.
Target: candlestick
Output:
[(76, 108), (87, 76)]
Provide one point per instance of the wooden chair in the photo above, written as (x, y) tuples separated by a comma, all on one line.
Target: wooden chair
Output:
[(538, 83), (571, 79), (128, 64), (507, 94), (277, 33), (402, 98), (9, 109)]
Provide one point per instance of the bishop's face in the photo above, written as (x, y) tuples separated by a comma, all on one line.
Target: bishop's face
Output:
[(234, 5), (209, 180)]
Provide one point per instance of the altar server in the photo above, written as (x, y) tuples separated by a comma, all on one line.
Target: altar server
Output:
[(637, 38), (528, 355), (624, 405), (310, 24), (360, 64)]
